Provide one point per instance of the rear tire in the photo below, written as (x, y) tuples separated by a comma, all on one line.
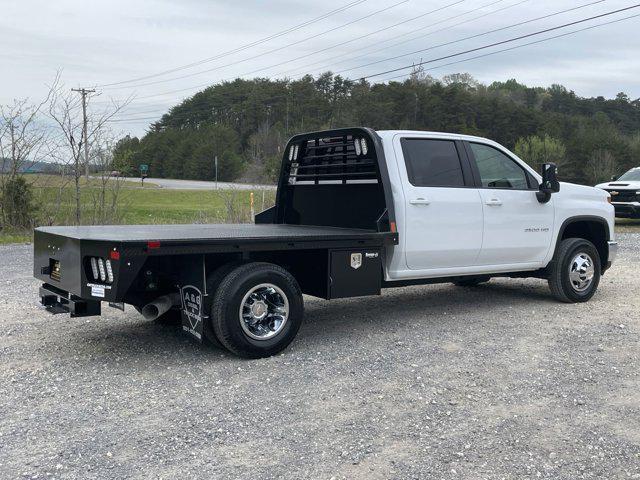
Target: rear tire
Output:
[(575, 273), (213, 282), (257, 310)]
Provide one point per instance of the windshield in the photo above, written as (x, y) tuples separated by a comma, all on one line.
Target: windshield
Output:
[(632, 175)]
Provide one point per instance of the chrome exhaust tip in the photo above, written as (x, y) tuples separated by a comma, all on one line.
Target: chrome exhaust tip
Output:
[(160, 306)]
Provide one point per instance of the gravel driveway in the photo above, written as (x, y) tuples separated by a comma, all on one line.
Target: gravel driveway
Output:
[(495, 382)]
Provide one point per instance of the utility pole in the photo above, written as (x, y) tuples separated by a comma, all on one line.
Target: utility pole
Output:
[(286, 128), (216, 161), (83, 93)]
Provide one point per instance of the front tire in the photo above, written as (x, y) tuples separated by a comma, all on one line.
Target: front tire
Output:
[(257, 310), (575, 274)]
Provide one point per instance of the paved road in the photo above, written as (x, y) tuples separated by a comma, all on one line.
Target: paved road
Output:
[(495, 382), (197, 185)]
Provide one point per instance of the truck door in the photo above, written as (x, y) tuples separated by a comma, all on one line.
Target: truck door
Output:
[(443, 212), (517, 228)]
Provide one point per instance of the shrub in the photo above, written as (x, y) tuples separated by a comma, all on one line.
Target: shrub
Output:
[(16, 203)]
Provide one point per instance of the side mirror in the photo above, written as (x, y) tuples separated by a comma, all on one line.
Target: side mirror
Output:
[(614, 178), (550, 183)]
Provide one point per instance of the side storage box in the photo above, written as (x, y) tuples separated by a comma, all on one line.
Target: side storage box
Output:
[(355, 273)]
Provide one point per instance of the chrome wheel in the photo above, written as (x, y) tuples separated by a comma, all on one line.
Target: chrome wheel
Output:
[(264, 311), (581, 272)]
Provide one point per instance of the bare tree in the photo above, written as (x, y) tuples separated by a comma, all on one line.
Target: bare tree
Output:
[(23, 141), (106, 193), (66, 110)]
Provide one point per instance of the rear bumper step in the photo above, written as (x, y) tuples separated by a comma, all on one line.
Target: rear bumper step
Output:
[(58, 301)]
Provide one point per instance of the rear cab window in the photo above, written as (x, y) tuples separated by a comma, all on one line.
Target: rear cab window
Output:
[(432, 162)]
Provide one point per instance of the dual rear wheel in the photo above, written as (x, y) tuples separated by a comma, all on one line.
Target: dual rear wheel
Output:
[(255, 310)]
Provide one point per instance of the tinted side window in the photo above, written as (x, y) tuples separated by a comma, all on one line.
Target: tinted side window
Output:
[(497, 170), (432, 163)]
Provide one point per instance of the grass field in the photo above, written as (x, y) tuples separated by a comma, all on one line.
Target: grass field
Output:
[(135, 205), (152, 205)]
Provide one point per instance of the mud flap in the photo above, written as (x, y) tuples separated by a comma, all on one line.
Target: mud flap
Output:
[(193, 291)]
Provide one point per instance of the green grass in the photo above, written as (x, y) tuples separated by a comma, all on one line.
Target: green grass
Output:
[(142, 206), (7, 238), (188, 206), (627, 225)]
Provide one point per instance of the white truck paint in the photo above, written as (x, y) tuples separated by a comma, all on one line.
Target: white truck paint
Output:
[(448, 231)]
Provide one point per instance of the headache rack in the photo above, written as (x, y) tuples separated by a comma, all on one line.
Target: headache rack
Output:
[(334, 178), (344, 158)]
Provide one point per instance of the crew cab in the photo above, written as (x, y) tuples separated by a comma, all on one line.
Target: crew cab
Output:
[(625, 193), (356, 211)]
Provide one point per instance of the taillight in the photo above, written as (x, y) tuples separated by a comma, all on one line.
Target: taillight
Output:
[(94, 267), (100, 270), (109, 271), (103, 272)]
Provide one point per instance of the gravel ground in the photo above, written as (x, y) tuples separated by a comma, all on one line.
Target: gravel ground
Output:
[(496, 382)]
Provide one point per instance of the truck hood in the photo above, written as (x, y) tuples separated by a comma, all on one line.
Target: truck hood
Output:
[(620, 185)]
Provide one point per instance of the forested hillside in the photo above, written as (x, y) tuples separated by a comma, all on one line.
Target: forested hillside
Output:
[(247, 122)]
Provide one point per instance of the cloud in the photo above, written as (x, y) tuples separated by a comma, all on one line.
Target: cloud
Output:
[(105, 42)]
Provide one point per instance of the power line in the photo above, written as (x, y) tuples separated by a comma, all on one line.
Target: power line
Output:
[(514, 39), (469, 51), (297, 58), (519, 24), (242, 47), (341, 44), (205, 109), (306, 39), (456, 41), (404, 35), (521, 46)]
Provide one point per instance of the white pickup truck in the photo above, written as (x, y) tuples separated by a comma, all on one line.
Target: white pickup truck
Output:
[(356, 211), (625, 193)]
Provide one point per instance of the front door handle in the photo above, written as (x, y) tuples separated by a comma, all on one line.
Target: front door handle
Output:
[(419, 201), (494, 202)]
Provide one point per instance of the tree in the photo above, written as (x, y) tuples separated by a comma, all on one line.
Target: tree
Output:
[(262, 114), (66, 110), (537, 150), (24, 140), (124, 155), (600, 167), (16, 198)]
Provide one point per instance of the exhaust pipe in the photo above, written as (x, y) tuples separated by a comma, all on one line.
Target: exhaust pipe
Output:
[(160, 306)]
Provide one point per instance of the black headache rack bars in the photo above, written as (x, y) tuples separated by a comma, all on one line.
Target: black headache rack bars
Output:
[(333, 158), (334, 178)]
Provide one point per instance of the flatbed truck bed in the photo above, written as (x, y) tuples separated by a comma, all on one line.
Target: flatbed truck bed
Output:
[(217, 234)]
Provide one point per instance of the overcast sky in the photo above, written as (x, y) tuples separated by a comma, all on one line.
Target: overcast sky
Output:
[(98, 43)]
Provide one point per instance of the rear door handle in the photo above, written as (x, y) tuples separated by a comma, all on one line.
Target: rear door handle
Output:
[(494, 202), (419, 201)]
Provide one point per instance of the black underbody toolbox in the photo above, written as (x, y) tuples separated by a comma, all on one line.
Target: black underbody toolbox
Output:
[(355, 273)]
